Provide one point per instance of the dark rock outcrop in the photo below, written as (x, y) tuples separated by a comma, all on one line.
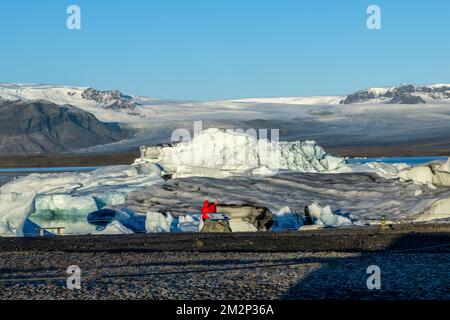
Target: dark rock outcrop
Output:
[(404, 94), (406, 99), (358, 97), (113, 99), (40, 127), (216, 226), (261, 217)]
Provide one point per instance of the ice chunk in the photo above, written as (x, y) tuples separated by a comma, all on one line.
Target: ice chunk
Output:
[(109, 198), (113, 228), (442, 174), (324, 216), (14, 210), (435, 174), (422, 175), (287, 219), (190, 223), (157, 222), (132, 220), (64, 204)]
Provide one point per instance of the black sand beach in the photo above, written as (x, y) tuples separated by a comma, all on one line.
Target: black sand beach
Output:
[(327, 264)]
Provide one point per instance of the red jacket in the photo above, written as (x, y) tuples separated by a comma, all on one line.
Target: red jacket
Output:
[(205, 210)]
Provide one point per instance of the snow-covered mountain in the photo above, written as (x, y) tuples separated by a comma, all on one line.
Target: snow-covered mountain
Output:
[(375, 116), (106, 105), (63, 95), (403, 94)]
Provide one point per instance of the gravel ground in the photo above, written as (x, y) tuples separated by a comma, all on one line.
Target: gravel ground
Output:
[(230, 276), (415, 266)]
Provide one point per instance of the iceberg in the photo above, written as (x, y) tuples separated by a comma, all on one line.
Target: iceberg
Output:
[(434, 174), (57, 198), (287, 219), (192, 223), (14, 210), (323, 216), (157, 222), (114, 228), (223, 152)]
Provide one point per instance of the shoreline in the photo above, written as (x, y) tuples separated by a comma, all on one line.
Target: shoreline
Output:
[(124, 158), (406, 236)]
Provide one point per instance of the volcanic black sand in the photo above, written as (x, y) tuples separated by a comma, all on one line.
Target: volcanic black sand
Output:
[(327, 264)]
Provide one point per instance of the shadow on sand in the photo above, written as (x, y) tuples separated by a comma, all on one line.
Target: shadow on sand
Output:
[(414, 266)]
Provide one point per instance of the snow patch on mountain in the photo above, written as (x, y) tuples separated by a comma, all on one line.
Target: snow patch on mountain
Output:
[(110, 106), (403, 94)]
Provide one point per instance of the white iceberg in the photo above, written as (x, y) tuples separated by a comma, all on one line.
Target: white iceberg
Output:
[(192, 223), (157, 222), (59, 195), (216, 150), (323, 216), (434, 174)]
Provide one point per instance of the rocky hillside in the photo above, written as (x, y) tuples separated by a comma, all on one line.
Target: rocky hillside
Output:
[(112, 99), (38, 127), (107, 105), (404, 94)]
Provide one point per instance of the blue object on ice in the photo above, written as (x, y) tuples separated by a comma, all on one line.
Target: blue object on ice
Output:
[(339, 212), (31, 229), (129, 219), (101, 218)]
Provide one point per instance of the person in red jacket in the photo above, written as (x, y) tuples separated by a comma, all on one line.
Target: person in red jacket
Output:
[(205, 210), (208, 208)]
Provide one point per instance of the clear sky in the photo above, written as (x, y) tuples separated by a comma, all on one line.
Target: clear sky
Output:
[(215, 49)]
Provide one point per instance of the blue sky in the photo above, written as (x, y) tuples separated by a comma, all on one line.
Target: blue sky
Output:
[(216, 49)]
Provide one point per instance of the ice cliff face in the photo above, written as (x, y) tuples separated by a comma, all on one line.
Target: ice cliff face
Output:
[(404, 94), (227, 152)]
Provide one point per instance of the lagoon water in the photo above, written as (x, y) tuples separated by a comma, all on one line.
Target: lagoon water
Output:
[(412, 161), (46, 170), (391, 160)]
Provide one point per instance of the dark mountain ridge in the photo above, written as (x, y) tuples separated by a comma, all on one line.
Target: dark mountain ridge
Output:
[(41, 127)]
